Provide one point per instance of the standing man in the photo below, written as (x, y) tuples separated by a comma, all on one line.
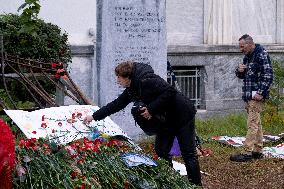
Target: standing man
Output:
[(257, 75)]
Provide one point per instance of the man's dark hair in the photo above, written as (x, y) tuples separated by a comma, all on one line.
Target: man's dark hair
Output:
[(247, 38), (124, 69)]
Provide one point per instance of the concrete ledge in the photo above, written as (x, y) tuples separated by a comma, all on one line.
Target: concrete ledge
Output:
[(88, 50), (203, 115), (216, 49)]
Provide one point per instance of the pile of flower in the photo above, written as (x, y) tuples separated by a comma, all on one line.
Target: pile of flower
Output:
[(7, 155), (88, 163)]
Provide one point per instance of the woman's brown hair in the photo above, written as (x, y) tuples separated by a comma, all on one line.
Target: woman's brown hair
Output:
[(124, 69)]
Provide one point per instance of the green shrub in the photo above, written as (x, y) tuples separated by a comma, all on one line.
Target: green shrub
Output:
[(47, 44), (31, 39), (273, 117)]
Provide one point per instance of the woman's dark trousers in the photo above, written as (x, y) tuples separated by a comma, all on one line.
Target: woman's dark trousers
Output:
[(186, 139)]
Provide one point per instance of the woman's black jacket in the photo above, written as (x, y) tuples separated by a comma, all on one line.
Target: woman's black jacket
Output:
[(156, 93)]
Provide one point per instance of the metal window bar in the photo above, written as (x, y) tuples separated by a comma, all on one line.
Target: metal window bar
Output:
[(189, 82)]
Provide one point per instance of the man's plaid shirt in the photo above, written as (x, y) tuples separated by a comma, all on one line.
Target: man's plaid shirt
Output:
[(259, 74)]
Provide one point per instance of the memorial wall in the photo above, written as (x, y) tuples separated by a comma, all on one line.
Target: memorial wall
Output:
[(128, 31)]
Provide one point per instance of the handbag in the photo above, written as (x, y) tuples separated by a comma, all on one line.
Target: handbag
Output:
[(151, 126)]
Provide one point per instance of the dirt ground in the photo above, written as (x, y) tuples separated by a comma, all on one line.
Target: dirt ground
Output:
[(258, 174), (221, 173)]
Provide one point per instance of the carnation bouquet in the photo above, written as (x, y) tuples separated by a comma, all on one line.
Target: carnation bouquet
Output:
[(60, 152), (89, 163)]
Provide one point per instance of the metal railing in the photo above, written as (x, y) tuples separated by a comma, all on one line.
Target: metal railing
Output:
[(189, 81)]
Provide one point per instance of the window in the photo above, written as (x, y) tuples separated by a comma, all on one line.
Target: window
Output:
[(190, 81)]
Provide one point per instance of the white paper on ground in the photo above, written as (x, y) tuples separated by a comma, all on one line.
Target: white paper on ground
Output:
[(63, 124), (239, 141), (275, 152), (179, 167)]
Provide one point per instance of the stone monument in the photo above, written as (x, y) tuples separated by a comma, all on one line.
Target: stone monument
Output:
[(128, 30)]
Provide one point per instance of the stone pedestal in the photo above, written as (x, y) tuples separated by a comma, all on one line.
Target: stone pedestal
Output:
[(128, 30)]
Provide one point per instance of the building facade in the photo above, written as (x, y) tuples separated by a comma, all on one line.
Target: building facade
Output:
[(202, 40), (203, 36)]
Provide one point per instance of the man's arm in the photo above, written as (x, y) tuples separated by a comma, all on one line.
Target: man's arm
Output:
[(266, 73)]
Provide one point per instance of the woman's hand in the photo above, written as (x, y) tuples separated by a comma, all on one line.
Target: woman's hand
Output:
[(145, 113), (88, 119)]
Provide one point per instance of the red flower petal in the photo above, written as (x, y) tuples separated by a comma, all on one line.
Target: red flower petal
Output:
[(56, 76), (79, 114), (156, 157), (70, 120), (53, 65), (61, 65), (44, 125), (64, 77), (7, 152), (83, 186)]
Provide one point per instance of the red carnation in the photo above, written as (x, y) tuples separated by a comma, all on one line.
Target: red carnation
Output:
[(44, 125), (53, 65), (7, 155), (70, 120), (64, 77), (56, 76), (79, 114), (61, 65)]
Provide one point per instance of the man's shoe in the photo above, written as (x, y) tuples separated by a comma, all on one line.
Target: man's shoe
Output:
[(257, 155), (241, 157)]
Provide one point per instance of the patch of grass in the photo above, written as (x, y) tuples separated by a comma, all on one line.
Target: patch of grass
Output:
[(231, 125)]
